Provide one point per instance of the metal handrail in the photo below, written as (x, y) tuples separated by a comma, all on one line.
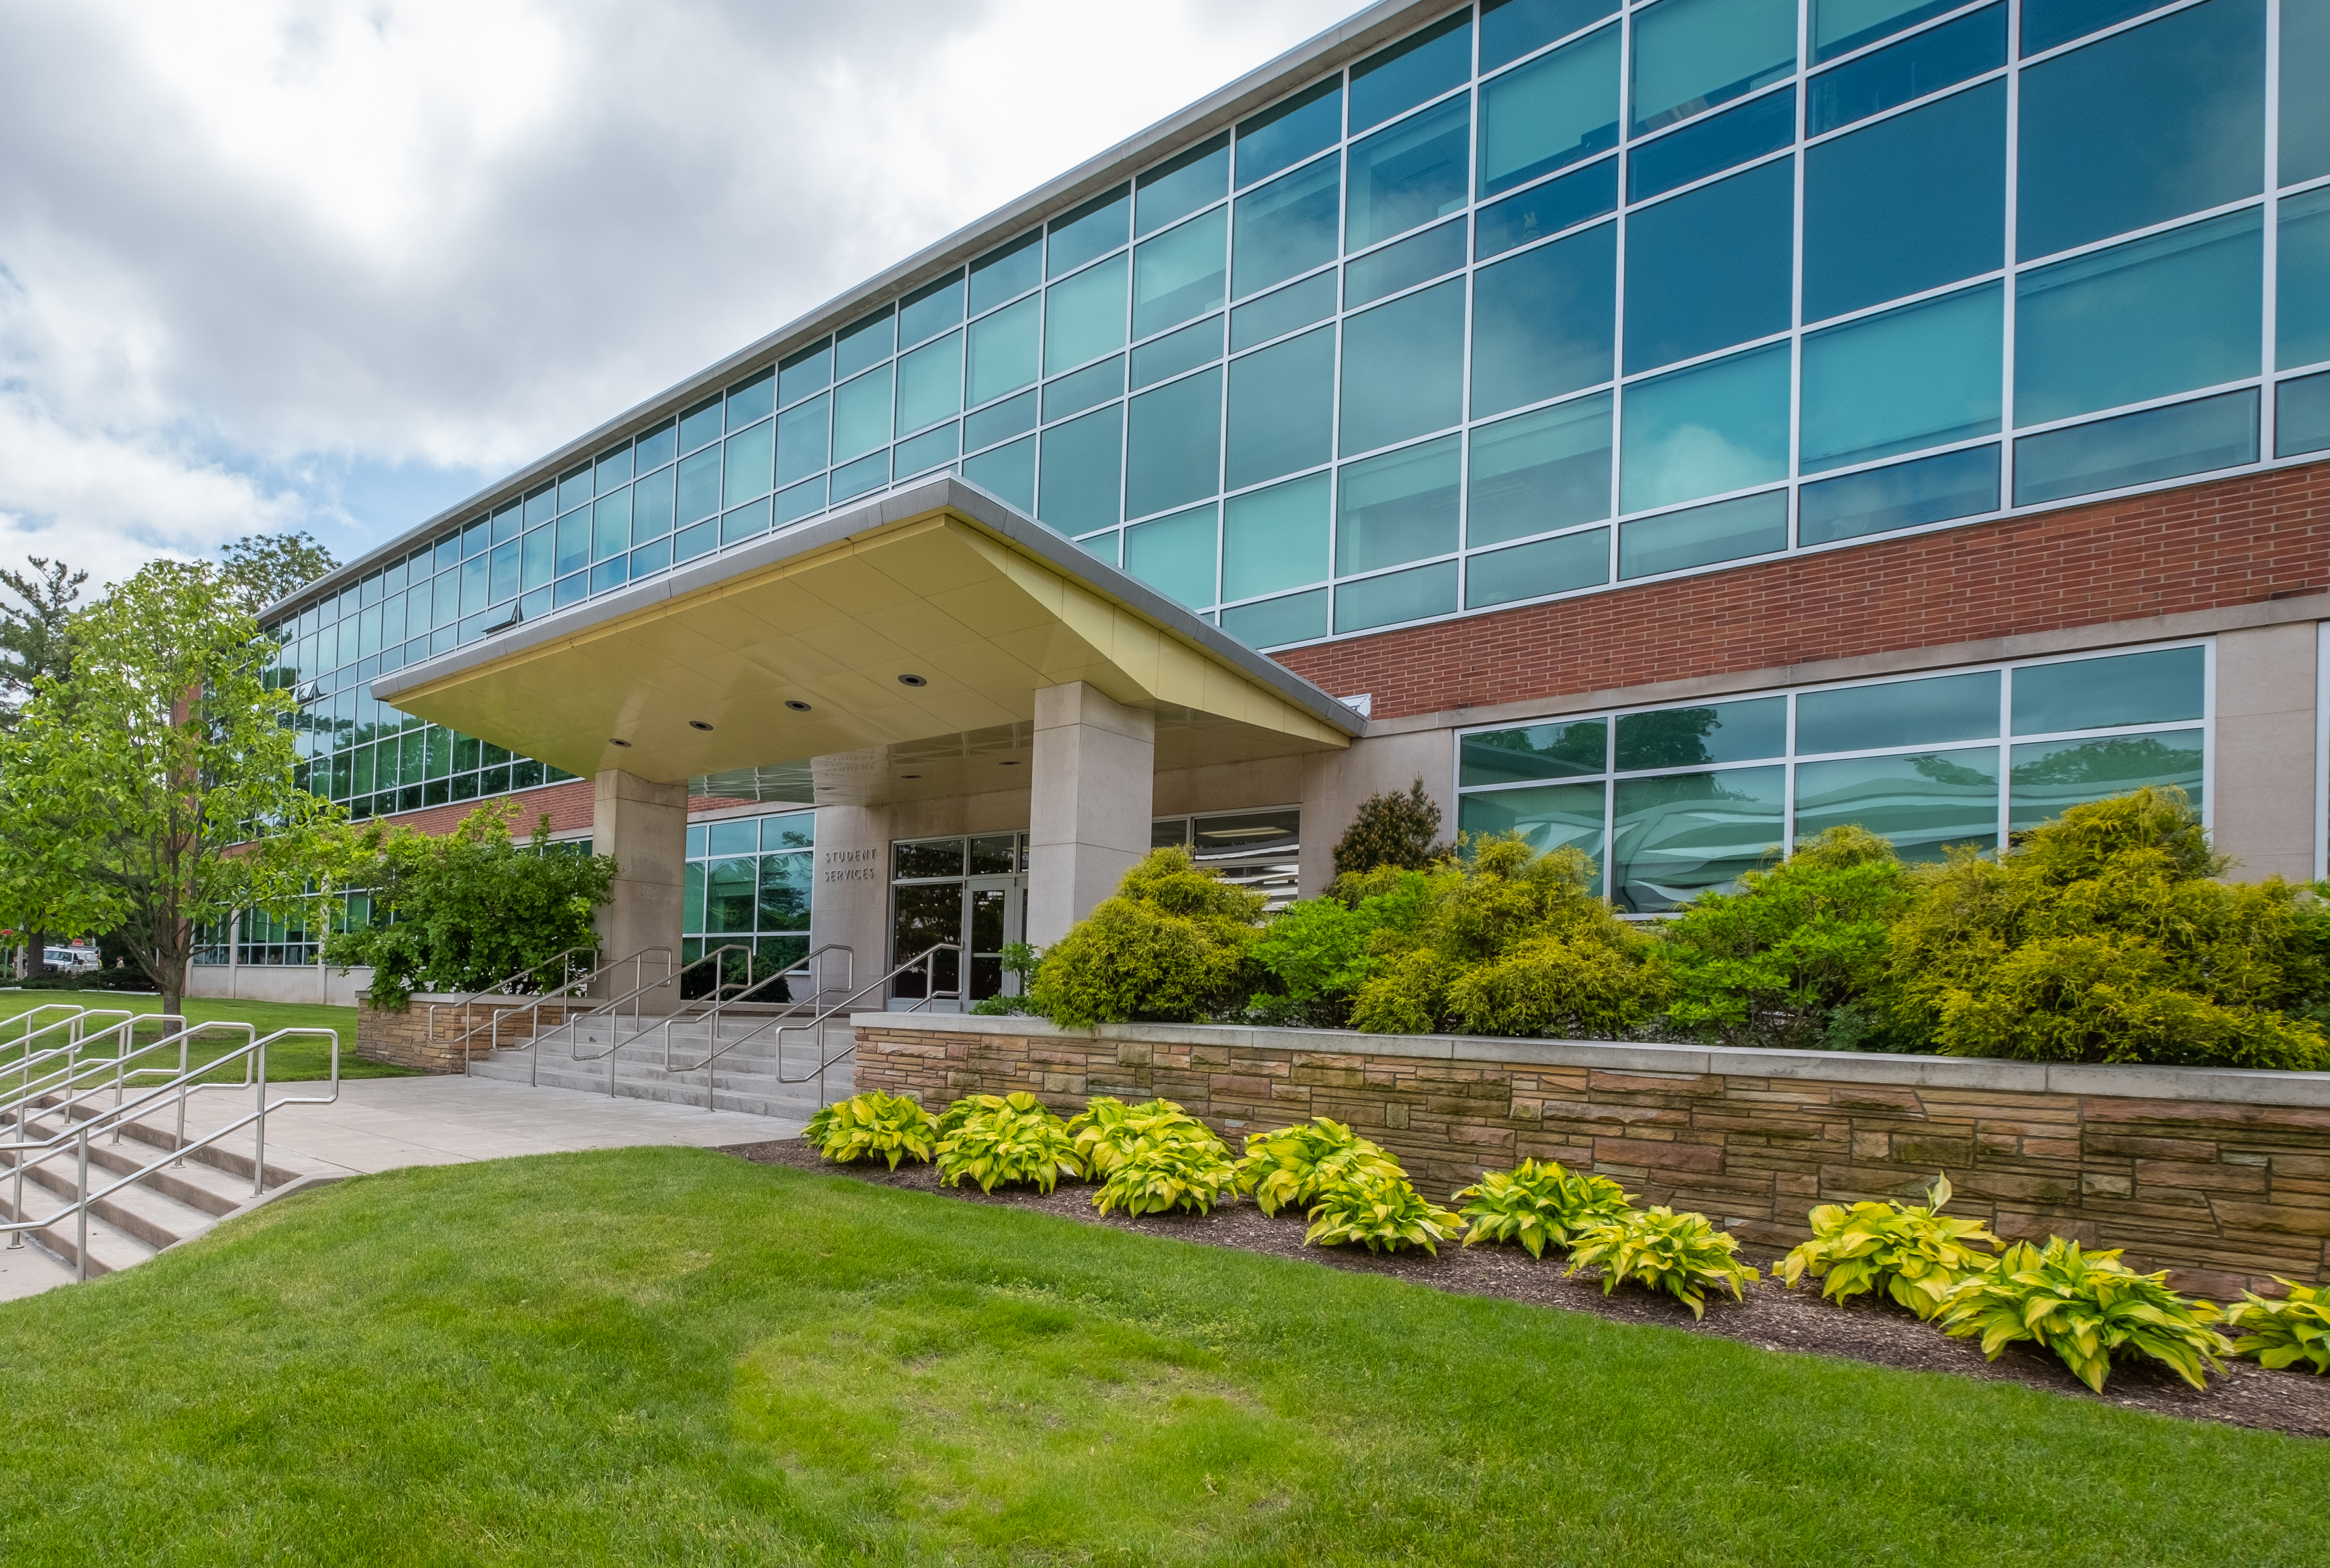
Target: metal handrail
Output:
[(710, 1017), (73, 1020), (253, 1051), (533, 1038), (72, 1009), (125, 1025), (927, 960), (608, 1008), (615, 1031), (501, 988)]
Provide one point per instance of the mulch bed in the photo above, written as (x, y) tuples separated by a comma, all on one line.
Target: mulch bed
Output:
[(1772, 1318)]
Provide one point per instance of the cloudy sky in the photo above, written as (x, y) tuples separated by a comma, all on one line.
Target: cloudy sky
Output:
[(333, 265)]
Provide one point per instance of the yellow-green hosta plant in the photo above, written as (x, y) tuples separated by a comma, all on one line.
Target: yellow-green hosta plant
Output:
[(1913, 1253), (1380, 1210), (1682, 1254), (1107, 1130), (1295, 1166), (867, 1125), (1002, 1140), (2284, 1333), (1168, 1174), (1539, 1205), (2084, 1306)]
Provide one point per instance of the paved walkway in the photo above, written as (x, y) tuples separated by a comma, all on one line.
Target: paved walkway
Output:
[(384, 1123)]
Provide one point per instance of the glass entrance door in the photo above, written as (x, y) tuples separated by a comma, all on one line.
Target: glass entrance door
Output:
[(968, 892), (995, 912)]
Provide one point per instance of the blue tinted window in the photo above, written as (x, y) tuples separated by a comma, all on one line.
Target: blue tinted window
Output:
[(1008, 473), (1404, 368), (1415, 260), (1421, 66), (1004, 351), (1002, 423), (1511, 28), (1276, 622), (1546, 208), (1173, 445), (1841, 26), (1539, 471), (1286, 133), (697, 425), (1177, 352), (1082, 463), (1691, 55), (867, 474), (574, 489), (1899, 714), (745, 474), (611, 471), (1702, 535), (1281, 408), (1907, 204), (1400, 507), (651, 503), (2302, 321), (861, 414), (1543, 323), (1094, 229), (2197, 292), (931, 449), (752, 398), (930, 383), (1087, 388), (1712, 146), (541, 507), (1410, 173), (1275, 315), (1711, 268), (2047, 23), (699, 483), (1181, 185), (656, 449), (1924, 375), (1905, 495), (802, 444), (865, 342), (1175, 555), (1574, 560), (1717, 426), (1007, 271), (931, 309), (1276, 538), (1179, 275), (1085, 317), (1401, 596), (1286, 227), (2305, 106), (1937, 58), (611, 528), (1550, 113), (1716, 732), (2139, 449), (2159, 687), (2302, 416), (2145, 126)]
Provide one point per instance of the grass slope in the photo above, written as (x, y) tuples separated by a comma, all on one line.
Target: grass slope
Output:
[(293, 1059), (669, 1356)]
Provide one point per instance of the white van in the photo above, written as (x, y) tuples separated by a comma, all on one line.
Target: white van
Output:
[(78, 959)]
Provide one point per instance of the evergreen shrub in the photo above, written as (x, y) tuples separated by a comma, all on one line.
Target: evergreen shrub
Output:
[(1173, 945), (1399, 830)]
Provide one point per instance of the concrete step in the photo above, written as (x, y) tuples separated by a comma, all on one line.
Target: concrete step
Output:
[(143, 1211), (756, 1094), (190, 1181)]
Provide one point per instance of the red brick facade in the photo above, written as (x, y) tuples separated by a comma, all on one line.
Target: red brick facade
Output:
[(2231, 542), (569, 806)]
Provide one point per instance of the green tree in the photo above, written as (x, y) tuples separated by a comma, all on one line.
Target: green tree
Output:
[(1320, 951), (2104, 937), (149, 790), (36, 644), (1392, 829), (1795, 958), (466, 910), (1172, 944), (1512, 943), (263, 568)]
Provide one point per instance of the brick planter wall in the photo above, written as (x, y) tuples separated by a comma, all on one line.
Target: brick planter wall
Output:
[(2223, 1176), (430, 1038)]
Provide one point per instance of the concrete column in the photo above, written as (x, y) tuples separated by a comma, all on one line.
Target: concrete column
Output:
[(851, 901), (1378, 765), (1096, 768), (644, 825), (2264, 775)]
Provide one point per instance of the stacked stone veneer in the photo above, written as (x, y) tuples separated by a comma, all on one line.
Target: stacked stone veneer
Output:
[(433, 1035), (2223, 1176)]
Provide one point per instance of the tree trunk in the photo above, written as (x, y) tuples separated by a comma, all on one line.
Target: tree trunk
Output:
[(37, 949)]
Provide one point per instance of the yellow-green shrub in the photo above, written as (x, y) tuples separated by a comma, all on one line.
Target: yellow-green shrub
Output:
[(1381, 1212), (1174, 1173), (2285, 1332), (1172, 944), (1913, 1254), (1107, 1130), (999, 1139), (2084, 1306), (1538, 1205), (1290, 1166), (1682, 1254), (867, 1125)]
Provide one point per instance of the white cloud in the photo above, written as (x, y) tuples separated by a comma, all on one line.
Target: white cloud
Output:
[(256, 253)]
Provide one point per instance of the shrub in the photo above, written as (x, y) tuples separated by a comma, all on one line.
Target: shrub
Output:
[(1320, 950), (1171, 946), (1513, 943), (1294, 1166), (1792, 959), (2102, 936), (1537, 1205), (1381, 1211), (998, 1139), (1913, 1254), (1171, 1173), (2084, 1306), (1107, 1131), (2286, 1332), (1395, 830), (867, 1125), (1682, 1254)]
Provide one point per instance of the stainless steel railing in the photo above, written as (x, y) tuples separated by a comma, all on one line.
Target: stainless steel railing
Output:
[(710, 1017), (529, 980), (638, 962), (39, 1072), (926, 961)]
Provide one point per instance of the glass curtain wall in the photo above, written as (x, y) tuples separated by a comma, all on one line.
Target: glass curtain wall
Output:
[(1261, 850), (1670, 801), (1555, 295), (966, 890), (750, 881)]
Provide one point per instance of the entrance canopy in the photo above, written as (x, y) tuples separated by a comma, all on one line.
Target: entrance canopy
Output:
[(914, 633)]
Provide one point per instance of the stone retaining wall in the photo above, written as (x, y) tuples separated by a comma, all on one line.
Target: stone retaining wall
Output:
[(430, 1037), (2221, 1174)]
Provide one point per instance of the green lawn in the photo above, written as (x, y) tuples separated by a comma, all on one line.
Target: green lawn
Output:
[(669, 1356), (293, 1059)]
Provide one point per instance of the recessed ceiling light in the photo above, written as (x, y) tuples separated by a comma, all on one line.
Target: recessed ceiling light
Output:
[(613, 741), (910, 774), (698, 724), (1011, 764), (797, 705), (912, 681)]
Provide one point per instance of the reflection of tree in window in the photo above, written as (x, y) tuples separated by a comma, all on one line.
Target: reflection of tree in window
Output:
[(784, 892), (730, 895), (2121, 764), (1942, 770), (1671, 738), (1538, 751)]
